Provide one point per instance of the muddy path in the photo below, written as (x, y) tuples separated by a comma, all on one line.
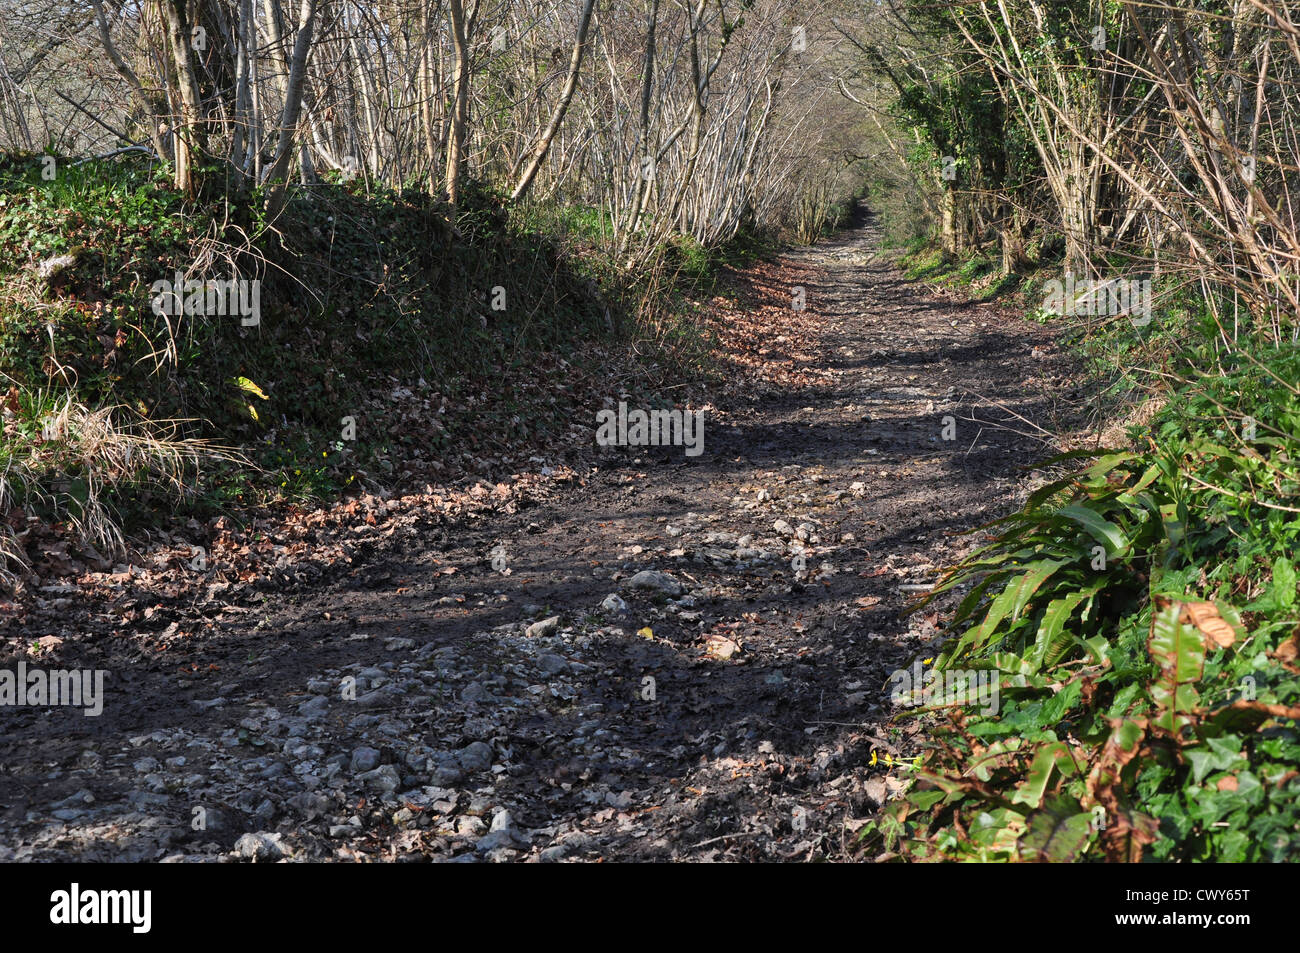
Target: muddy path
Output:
[(420, 700)]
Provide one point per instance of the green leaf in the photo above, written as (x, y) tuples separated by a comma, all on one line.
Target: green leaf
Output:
[(1130, 495), (1106, 464), (1172, 516), (1284, 578), (1052, 641), (1219, 754), (1011, 663), (997, 755), (248, 387), (1054, 708), (1056, 838), (1099, 528), (1010, 603), (1040, 773), (1179, 650)]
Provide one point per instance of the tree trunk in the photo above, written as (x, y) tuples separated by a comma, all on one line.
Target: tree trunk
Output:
[(188, 132), (950, 229), (641, 193), (462, 23), (276, 174), (570, 84)]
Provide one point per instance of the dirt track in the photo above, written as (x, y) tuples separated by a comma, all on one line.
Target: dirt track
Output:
[(812, 516)]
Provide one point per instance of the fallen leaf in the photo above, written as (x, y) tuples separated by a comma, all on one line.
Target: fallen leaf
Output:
[(1287, 652), (720, 647), (1205, 616)]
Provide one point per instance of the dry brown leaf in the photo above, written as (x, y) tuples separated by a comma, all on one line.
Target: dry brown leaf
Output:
[(721, 648), (47, 643), (1205, 616), (1287, 652)]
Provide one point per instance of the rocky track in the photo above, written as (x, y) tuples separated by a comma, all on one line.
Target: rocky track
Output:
[(667, 657)]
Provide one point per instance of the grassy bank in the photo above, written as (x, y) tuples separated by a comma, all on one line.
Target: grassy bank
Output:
[(388, 344)]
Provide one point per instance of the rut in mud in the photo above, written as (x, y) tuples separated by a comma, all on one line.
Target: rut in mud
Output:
[(417, 704)]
